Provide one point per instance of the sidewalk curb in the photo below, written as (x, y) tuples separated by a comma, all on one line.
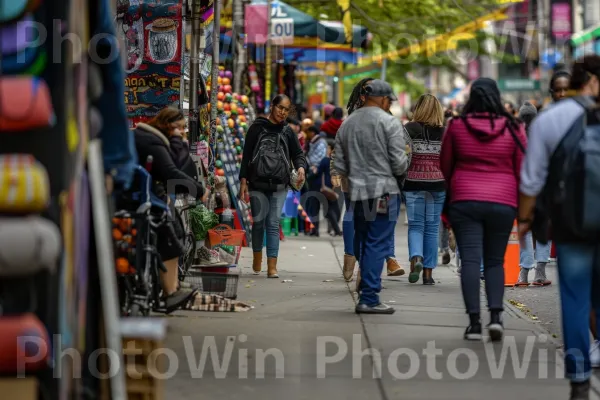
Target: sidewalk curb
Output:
[(539, 330)]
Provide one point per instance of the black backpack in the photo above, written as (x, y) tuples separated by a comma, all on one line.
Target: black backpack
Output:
[(270, 167), (572, 191)]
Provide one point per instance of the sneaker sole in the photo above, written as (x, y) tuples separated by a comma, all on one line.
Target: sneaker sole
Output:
[(414, 276), (398, 272), (473, 336), (496, 332), (387, 312)]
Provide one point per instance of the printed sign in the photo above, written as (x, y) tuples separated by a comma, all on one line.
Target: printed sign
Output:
[(282, 31), (561, 21), (151, 30)]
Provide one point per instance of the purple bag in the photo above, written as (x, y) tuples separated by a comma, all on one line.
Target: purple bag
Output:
[(18, 35)]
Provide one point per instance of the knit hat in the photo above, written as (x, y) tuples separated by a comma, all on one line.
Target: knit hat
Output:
[(328, 108), (527, 112)]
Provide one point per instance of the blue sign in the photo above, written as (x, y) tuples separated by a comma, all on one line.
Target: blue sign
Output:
[(550, 58)]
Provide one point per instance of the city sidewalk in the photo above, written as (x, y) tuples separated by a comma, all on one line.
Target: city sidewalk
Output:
[(308, 329)]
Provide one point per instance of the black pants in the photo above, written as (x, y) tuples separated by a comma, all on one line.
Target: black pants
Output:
[(482, 230), (333, 216)]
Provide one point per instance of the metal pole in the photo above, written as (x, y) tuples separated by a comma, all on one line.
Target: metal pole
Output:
[(183, 32), (195, 71), (239, 59), (268, 61), (383, 69), (214, 88)]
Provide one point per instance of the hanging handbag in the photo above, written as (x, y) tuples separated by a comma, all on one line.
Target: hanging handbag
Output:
[(328, 192)]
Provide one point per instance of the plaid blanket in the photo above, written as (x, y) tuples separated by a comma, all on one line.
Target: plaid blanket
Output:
[(212, 302)]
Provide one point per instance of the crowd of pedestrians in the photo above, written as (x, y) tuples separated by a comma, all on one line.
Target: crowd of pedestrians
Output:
[(465, 178)]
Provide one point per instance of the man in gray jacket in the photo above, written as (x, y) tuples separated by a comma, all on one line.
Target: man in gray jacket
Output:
[(371, 154)]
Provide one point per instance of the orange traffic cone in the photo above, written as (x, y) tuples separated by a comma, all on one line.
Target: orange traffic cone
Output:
[(512, 258)]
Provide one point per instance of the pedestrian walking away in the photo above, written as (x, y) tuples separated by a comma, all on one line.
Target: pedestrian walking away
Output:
[(316, 152), (357, 100), (425, 188), (481, 157), (271, 149), (537, 257), (557, 184), (375, 166)]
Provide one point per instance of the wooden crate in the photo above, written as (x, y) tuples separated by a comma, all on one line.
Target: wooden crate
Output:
[(144, 367), (19, 388)]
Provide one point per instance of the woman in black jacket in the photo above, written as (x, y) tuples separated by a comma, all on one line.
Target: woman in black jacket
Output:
[(268, 186), (152, 139)]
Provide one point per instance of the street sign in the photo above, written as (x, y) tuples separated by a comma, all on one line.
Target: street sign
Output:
[(518, 85), (282, 31)]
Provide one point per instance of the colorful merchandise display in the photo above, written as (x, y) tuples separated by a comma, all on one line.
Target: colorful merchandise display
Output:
[(234, 116)]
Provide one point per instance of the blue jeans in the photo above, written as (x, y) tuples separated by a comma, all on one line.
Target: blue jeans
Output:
[(372, 236), (542, 252), (266, 210), (424, 210), (576, 264), (348, 227)]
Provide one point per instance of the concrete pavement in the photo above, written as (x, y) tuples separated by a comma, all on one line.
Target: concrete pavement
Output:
[(317, 348)]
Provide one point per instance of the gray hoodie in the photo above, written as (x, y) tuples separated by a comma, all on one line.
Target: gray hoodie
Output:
[(370, 151)]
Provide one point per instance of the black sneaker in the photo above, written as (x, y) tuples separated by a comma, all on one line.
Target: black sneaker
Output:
[(580, 390), (496, 331), (496, 326), (473, 332)]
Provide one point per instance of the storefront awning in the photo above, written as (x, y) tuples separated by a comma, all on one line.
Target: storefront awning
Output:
[(297, 54), (586, 36), (305, 26)]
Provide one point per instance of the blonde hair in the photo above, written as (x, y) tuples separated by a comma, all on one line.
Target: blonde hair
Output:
[(429, 111)]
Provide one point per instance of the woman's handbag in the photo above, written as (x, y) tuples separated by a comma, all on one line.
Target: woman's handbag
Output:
[(328, 192)]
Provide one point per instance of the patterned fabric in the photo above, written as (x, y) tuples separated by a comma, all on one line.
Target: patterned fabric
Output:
[(317, 151), (24, 184), (215, 303), (424, 171), (425, 149)]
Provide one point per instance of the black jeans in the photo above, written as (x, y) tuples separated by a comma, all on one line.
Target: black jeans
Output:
[(482, 230), (333, 216)]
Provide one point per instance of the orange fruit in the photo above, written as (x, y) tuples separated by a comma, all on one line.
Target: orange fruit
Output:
[(122, 265), (117, 234)]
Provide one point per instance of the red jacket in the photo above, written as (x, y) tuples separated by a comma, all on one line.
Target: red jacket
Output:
[(481, 160), (331, 126)]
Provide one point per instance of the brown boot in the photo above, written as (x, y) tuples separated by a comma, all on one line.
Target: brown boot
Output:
[(394, 268), (349, 263), (428, 277), (272, 267), (256, 262)]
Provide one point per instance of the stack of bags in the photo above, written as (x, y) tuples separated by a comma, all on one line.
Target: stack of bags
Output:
[(30, 245)]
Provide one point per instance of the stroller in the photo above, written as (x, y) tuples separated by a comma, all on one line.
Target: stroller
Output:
[(142, 216)]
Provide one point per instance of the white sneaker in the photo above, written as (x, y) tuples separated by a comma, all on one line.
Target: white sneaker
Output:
[(595, 354), (208, 258)]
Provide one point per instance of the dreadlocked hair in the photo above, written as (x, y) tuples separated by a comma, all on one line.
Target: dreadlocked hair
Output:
[(486, 101), (355, 102)]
